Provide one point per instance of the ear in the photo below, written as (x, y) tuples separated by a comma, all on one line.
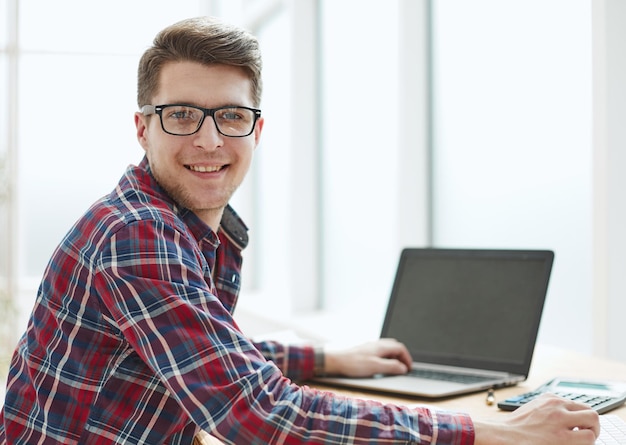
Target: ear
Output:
[(258, 129), (141, 124)]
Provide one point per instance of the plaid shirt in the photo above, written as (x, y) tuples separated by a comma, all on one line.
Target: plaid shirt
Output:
[(132, 341)]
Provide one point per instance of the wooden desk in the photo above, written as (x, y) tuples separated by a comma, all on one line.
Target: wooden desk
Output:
[(548, 362)]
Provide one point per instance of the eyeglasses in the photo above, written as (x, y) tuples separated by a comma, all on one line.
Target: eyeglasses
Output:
[(183, 120)]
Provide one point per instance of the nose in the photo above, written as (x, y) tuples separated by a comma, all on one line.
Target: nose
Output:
[(208, 137)]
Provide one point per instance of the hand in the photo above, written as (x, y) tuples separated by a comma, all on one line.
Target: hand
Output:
[(384, 356), (547, 420)]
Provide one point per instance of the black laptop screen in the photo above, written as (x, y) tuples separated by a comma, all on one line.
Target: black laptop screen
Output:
[(478, 308)]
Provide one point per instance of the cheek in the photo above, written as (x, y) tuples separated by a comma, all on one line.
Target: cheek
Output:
[(245, 159), (162, 147), (163, 160)]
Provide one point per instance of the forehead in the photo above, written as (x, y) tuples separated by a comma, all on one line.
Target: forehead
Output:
[(206, 85)]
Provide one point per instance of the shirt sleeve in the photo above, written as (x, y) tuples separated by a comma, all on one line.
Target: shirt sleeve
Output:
[(296, 362), (153, 287)]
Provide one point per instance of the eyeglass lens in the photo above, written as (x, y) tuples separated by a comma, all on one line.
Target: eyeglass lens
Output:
[(230, 121)]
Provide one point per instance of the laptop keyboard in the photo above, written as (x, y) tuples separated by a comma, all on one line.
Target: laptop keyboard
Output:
[(613, 430), (448, 376)]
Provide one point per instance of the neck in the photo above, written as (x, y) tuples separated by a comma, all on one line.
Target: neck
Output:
[(211, 217)]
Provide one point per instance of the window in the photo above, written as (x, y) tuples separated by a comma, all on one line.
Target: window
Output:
[(304, 251), (329, 242), (374, 140), (72, 153), (512, 141), (85, 64)]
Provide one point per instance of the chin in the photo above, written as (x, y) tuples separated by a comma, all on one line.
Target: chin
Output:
[(200, 204)]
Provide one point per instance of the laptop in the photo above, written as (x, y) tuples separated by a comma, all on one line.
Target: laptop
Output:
[(469, 318)]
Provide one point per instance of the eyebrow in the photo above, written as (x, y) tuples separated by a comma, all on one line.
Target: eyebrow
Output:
[(195, 104)]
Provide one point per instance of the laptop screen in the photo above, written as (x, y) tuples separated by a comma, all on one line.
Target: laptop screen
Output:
[(476, 308)]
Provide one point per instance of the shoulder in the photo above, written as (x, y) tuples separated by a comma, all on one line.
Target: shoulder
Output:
[(134, 205)]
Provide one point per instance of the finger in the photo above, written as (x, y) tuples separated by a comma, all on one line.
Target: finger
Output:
[(587, 420), (571, 405), (580, 416), (391, 366), (395, 349), (581, 436)]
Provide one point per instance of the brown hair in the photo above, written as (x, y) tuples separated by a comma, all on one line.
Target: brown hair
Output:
[(204, 40)]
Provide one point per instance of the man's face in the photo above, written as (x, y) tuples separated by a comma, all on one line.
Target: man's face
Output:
[(200, 171)]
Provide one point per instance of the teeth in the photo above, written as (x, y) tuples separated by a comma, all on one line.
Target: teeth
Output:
[(203, 169)]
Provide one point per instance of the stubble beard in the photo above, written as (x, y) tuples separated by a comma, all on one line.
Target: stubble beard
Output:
[(184, 198)]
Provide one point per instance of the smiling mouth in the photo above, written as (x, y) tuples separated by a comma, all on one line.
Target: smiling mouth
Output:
[(204, 169)]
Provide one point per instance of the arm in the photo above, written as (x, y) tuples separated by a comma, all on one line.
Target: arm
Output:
[(295, 362), (384, 356), (153, 284), (548, 420)]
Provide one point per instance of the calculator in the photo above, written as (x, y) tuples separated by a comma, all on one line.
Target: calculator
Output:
[(600, 395)]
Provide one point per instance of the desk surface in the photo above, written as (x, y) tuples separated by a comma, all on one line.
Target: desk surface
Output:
[(548, 363)]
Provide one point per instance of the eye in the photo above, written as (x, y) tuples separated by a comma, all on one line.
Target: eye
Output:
[(229, 114), (182, 113), (234, 114)]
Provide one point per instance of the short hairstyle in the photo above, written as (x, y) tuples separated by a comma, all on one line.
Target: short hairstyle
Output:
[(205, 40)]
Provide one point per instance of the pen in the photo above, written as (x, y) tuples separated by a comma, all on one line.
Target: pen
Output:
[(491, 397)]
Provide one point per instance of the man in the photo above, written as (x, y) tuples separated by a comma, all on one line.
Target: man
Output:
[(132, 339)]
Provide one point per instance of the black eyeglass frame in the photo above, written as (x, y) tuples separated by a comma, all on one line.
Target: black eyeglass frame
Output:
[(147, 110)]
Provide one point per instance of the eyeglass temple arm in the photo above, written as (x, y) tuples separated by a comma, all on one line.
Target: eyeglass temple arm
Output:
[(148, 109)]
